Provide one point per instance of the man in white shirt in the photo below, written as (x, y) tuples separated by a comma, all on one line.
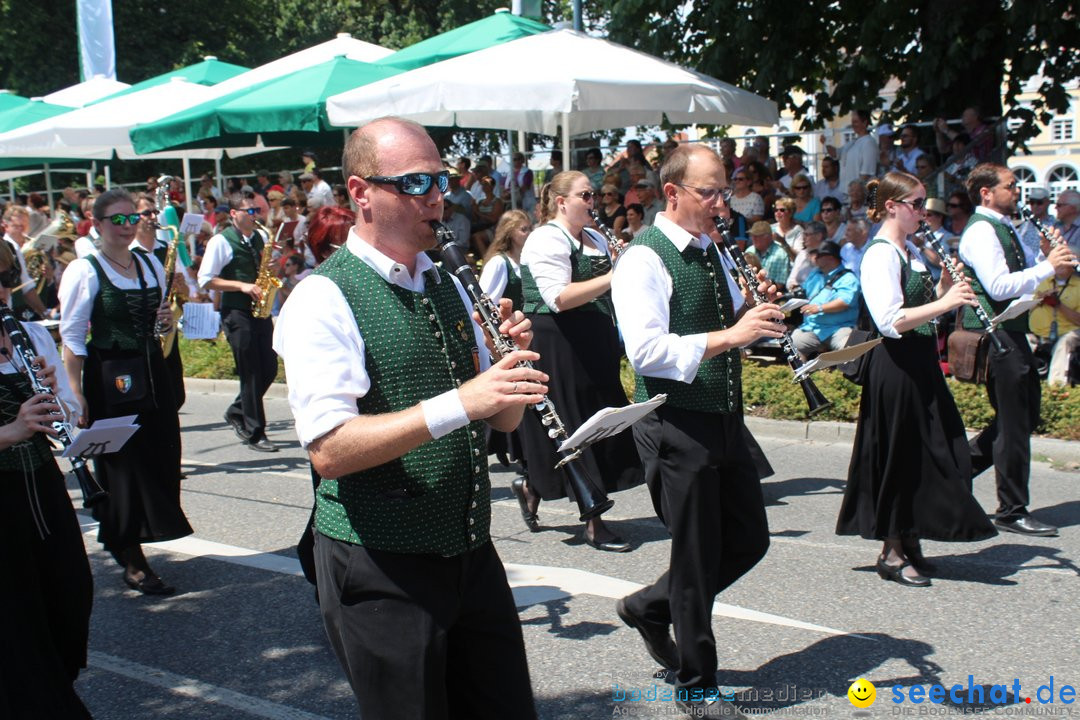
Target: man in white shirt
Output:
[(646, 193), (1068, 218), (908, 152), (856, 233), (390, 387), (858, 158), (318, 191), (1038, 201), (230, 265), (829, 185), (792, 159), (998, 268), (702, 477)]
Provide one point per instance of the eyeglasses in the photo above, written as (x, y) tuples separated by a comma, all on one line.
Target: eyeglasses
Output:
[(1033, 201), (250, 211), (586, 195), (800, 187), (414, 183), (149, 213), (1010, 186), (708, 194), (779, 210), (122, 219), (829, 209), (953, 205), (916, 204)]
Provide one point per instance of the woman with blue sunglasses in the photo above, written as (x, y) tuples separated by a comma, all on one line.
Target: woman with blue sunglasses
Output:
[(120, 371)]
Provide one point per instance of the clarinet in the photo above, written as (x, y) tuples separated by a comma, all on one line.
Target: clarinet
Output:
[(92, 492), (1025, 212), (591, 501), (615, 248), (815, 400), (938, 244)]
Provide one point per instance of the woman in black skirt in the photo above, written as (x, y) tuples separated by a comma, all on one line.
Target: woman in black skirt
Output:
[(910, 472), (566, 280), (45, 615), (120, 371)]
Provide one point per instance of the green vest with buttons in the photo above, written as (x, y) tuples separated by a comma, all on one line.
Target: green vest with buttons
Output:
[(701, 302), (244, 266), (917, 288), (513, 290), (1014, 259), (582, 267), (123, 319), (28, 454), (436, 498)]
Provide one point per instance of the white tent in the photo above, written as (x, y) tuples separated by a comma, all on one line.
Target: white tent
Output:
[(540, 82), (86, 92)]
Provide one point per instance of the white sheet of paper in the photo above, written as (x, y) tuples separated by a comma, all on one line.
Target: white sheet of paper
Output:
[(104, 436), (836, 357), (191, 223), (1016, 308), (200, 321), (610, 421), (793, 304)]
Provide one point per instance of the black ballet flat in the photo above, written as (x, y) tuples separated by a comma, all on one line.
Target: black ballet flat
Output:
[(149, 585), (518, 488), (896, 574)]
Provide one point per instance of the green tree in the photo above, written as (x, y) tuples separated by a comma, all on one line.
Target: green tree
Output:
[(839, 54)]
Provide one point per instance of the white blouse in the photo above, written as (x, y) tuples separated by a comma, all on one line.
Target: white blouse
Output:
[(547, 255), (494, 277), (880, 281)]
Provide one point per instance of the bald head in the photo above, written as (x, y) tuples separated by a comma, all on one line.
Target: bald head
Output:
[(367, 143)]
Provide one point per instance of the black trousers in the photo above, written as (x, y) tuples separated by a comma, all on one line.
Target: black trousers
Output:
[(424, 637), (1015, 395), (251, 340), (706, 491)]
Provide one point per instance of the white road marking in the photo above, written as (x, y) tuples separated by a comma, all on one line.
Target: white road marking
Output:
[(531, 584), (196, 689)]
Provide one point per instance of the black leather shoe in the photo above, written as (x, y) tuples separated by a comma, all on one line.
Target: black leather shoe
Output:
[(262, 445), (913, 550), (1025, 525), (612, 544), (517, 486), (657, 639), (896, 574), (238, 428), (149, 585), (715, 708)]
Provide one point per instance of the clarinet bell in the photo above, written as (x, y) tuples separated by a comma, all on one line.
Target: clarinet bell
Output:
[(815, 400), (591, 501)]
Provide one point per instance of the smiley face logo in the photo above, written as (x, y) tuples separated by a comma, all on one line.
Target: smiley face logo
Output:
[(862, 693)]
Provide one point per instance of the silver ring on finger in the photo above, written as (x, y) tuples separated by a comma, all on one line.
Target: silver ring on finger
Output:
[(514, 391)]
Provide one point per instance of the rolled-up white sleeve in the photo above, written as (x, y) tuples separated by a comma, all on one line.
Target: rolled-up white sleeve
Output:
[(881, 287), (641, 291), (317, 337), (78, 288), (981, 250), (494, 278), (217, 255), (547, 255)]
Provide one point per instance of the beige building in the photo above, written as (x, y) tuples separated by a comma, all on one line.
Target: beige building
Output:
[(1054, 159)]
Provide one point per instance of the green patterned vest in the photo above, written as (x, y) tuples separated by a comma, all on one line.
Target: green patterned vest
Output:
[(1014, 259), (917, 287), (244, 266), (513, 285), (27, 454), (582, 267), (123, 319), (434, 499), (700, 302)]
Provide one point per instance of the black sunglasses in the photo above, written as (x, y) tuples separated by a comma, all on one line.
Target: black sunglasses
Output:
[(916, 204), (414, 183), (123, 218), (149, 213), (587, 195)]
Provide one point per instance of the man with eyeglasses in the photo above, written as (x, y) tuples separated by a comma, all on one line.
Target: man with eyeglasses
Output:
[(683, 320), (230, 266), (792, 158), (318, 191), (1038, 201), (391, 385), (1068, 218), (1000, 272)]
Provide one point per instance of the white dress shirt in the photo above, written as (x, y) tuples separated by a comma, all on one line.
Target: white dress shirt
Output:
[(24, 276), (79, 286), (547, 255), (981, 251), (321, 194), (494, 278), (317, 337), (641, 292), (86, 244), (857, 158), (217, 255), (881, 276)]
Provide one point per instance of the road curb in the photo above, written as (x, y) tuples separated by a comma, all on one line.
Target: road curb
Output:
[(1060, 451)]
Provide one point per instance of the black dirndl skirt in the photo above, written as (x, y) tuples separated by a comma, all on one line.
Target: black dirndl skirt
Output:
[(580, 352), (910, 471)]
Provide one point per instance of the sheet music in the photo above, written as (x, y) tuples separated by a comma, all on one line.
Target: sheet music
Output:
[(103, 437), (1016, 308), (200, 321), (610, 421), (793, 304), (836, 357), (191, 224)]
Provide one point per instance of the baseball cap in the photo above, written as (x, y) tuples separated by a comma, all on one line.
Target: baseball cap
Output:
[(792, 150), (936, 205), (828, 247), (645, 183), (1038, 193), (761, 228)]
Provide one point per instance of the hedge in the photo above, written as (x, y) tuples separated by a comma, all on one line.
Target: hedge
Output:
[(768, 391)]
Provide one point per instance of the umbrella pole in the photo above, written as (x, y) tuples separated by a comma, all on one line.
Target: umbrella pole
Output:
[(48, 185), (187, 183), (567, 156), (108, 177), (515, 203), (217, 175)]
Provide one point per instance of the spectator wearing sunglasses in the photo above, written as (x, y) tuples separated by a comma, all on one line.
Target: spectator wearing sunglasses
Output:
[(230, 266), (807, 207), (960, 209), (1038, 201), (1068, 218), (391, 386), (318, 190), (119, 371), (792, 159)]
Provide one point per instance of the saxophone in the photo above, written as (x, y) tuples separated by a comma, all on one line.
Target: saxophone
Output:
[(166, 335), (266, 279)]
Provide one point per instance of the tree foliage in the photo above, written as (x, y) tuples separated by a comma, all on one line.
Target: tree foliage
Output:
[(819, 58)]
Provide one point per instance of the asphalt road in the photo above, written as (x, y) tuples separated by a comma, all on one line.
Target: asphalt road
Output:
[(243, 639)]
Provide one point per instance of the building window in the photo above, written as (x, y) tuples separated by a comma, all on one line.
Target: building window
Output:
[(1062, 178), (1025, 177), (1062, 130)]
